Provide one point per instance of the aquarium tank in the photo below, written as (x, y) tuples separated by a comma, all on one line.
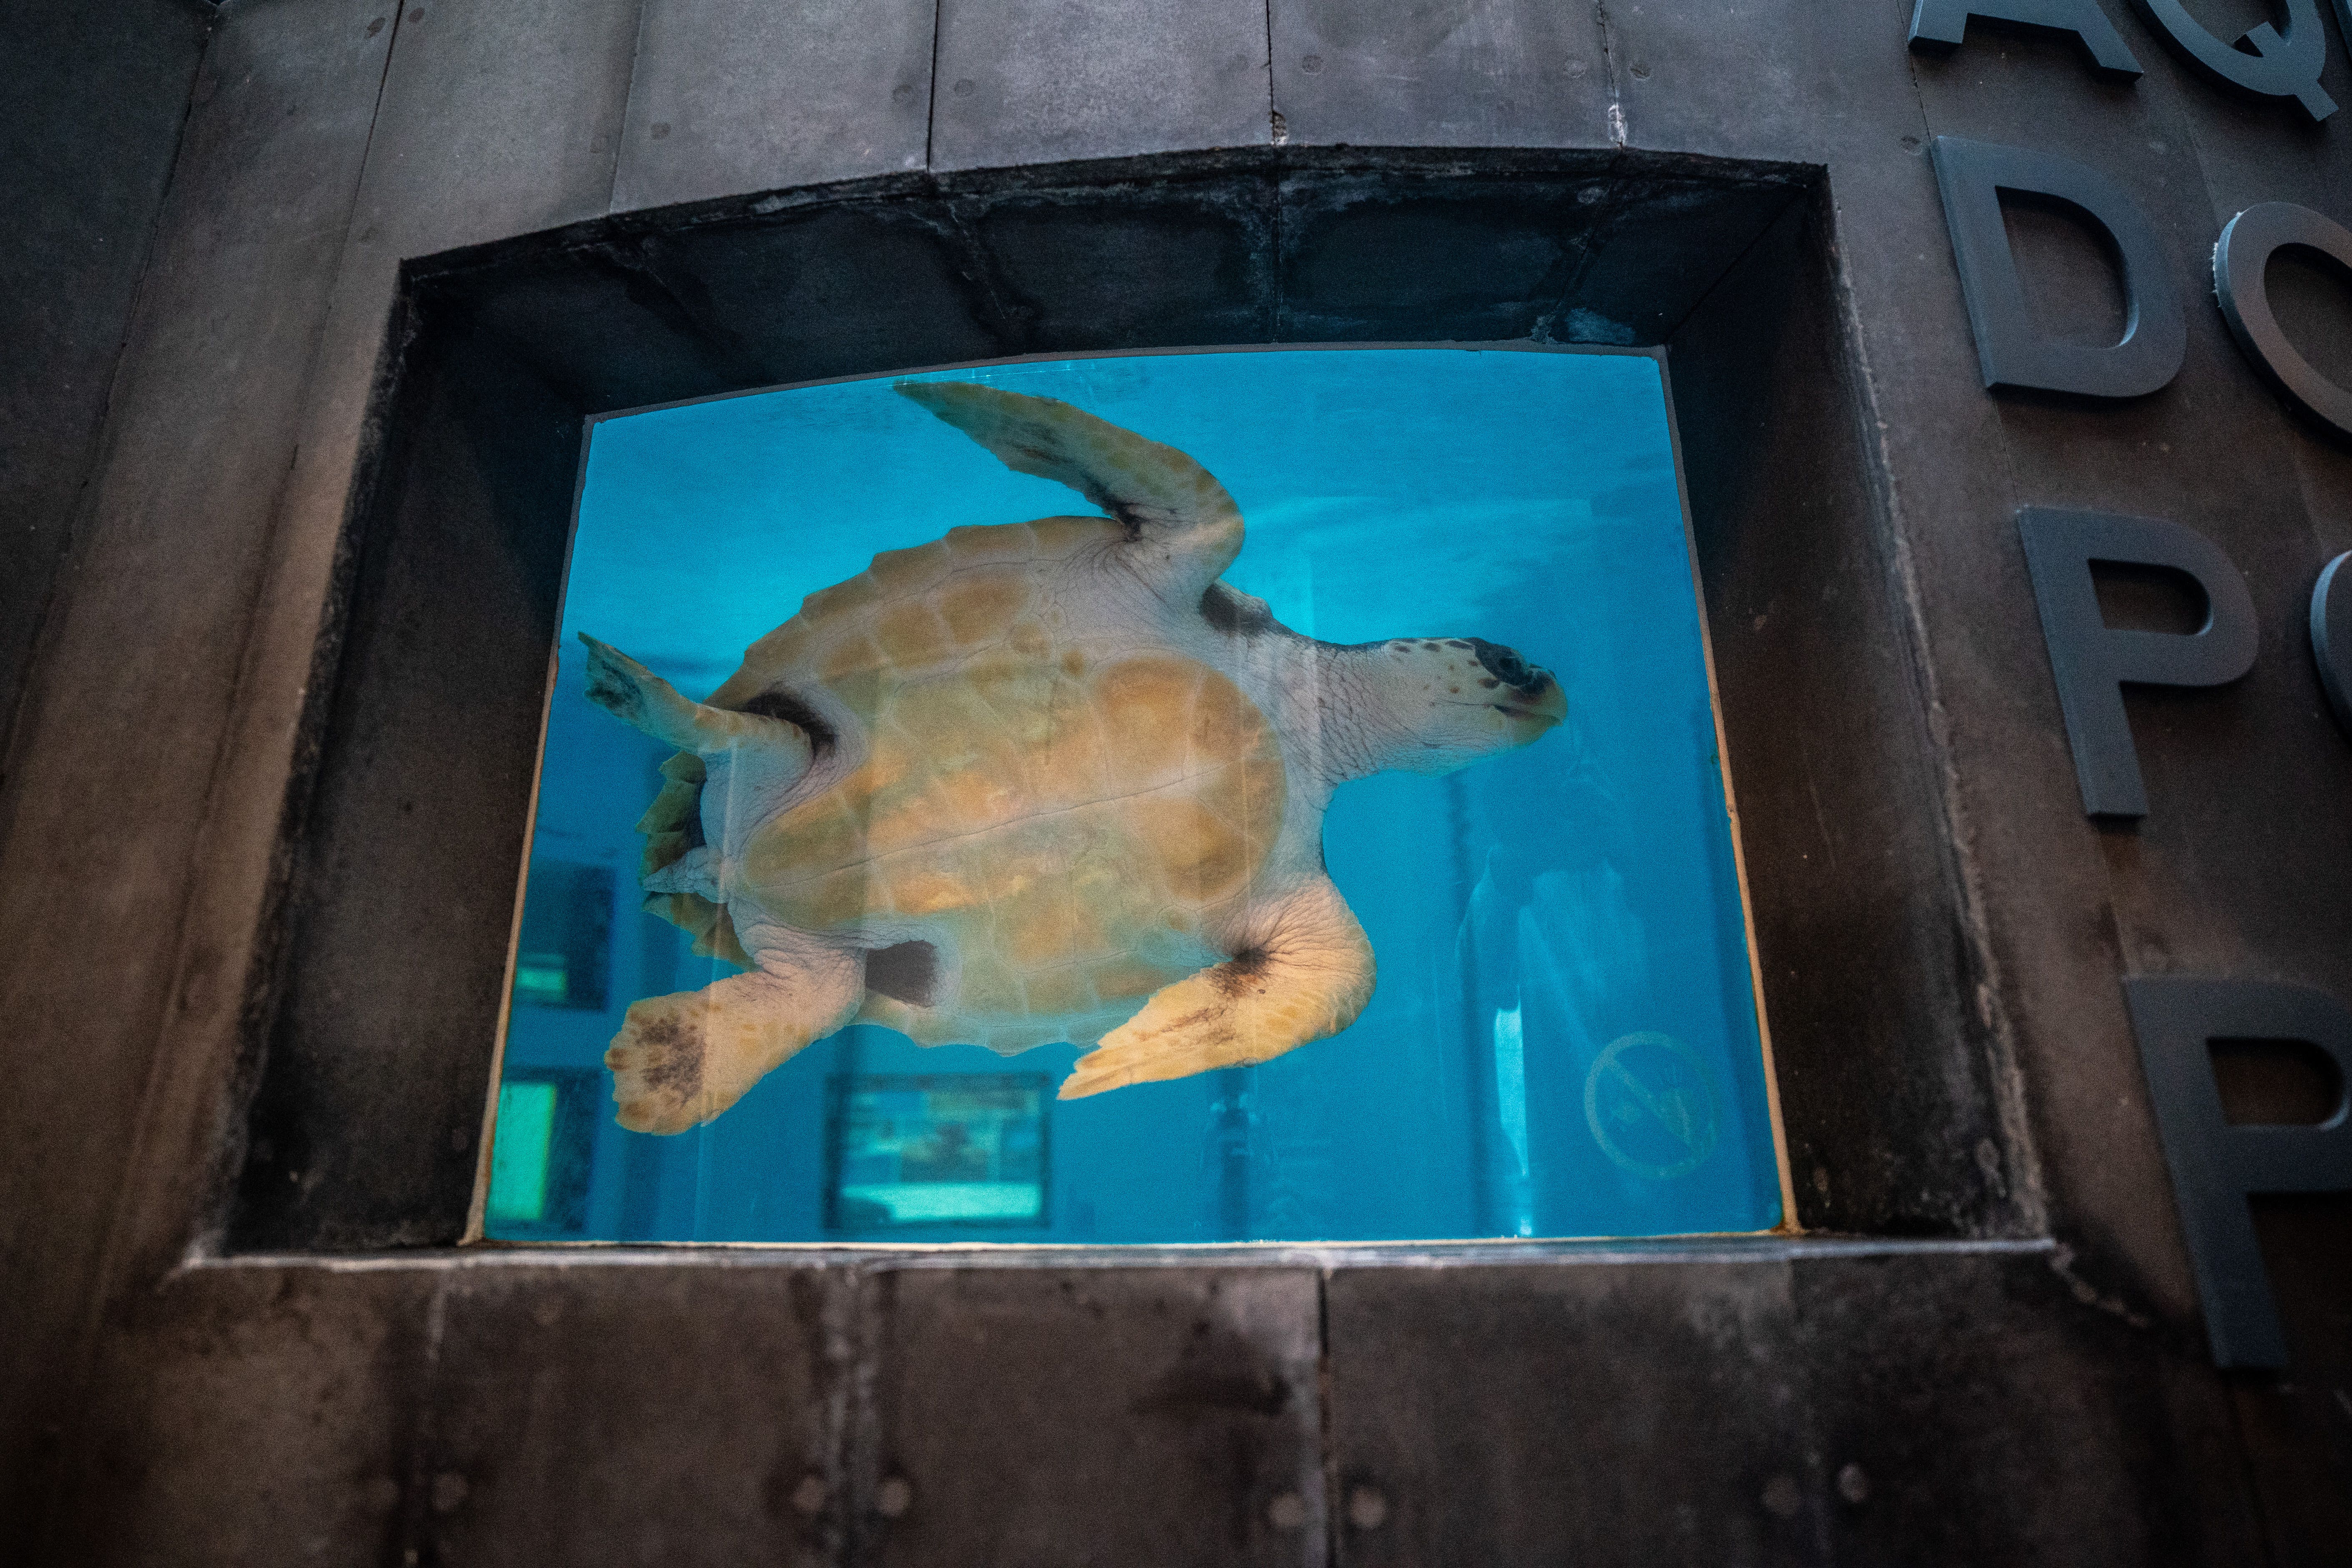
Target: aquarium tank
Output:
[(1256, 796)]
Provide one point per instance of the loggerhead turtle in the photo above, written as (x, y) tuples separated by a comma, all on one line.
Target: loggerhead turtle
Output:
[(1037, 782)]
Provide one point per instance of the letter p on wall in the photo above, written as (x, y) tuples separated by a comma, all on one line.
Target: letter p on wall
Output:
[(2217, 1166), (2093, 661)]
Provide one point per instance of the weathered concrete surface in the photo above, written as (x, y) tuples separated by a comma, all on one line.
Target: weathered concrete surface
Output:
[(252, 1416), (1012, 1404), (259, 1416), (263, 1410), (1396, 73), (1037, 81), (96, 97), (138, 687), (729, 96), (1930, 1407), (1763, 1405)]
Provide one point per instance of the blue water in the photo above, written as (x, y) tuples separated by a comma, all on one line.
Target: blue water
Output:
[(1564, 1041)]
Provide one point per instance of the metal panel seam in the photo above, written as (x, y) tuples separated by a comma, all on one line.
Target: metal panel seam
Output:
[(629, 97)]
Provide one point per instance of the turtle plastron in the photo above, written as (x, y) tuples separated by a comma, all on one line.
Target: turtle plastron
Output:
[(1305, 974), (997, 787)]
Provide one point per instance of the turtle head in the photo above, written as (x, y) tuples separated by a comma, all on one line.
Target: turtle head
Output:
[(1457, 699)]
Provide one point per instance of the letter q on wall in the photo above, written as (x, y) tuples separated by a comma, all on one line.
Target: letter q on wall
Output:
[(2261, 63)]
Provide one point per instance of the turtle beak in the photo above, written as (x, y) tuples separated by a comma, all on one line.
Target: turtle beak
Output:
[(1532, 709)]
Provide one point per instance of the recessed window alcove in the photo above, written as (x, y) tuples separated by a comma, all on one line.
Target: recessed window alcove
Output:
[(408, 838)]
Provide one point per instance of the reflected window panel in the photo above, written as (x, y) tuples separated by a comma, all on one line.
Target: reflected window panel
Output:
[(542, 1151), (1283, 784), (917, 1152), (561, 956)]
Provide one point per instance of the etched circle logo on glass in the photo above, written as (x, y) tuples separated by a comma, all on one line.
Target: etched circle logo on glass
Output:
[(1649, 1105)]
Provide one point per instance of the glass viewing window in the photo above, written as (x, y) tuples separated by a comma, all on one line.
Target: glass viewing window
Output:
[(1328, 733)]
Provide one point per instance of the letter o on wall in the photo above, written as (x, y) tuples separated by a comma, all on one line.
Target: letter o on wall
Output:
[(2239, 258), (2331, 634)]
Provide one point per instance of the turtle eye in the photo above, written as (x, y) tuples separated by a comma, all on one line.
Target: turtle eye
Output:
[(1506, 665)]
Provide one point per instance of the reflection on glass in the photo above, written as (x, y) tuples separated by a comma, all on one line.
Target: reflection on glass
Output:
[(526, 1137), (915, 1152), (1142, 786), (561, 959), (541, 1152)]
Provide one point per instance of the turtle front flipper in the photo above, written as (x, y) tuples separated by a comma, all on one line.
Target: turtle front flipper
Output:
[(681, 1059), (1305, 974), (1174, 508)]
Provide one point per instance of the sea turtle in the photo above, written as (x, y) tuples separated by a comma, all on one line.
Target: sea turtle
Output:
[(1035, 782)]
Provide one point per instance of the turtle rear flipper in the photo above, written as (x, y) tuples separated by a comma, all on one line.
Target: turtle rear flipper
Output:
[(752, 761), (1306, 975), (1171, 504), (681, 1059)]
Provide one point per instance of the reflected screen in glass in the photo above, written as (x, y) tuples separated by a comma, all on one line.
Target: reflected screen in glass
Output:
[(1282, 782)]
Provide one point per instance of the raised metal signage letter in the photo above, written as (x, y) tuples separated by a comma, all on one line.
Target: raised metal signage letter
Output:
[(1939, 25), (2278, 67), (2093, 661), (2011, 352), (2331, 634), (2215, 1166), (2239, 260)]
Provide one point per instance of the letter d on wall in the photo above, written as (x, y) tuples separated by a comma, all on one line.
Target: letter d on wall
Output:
[(2012, 351), (2215, 1166), (2093, 661)]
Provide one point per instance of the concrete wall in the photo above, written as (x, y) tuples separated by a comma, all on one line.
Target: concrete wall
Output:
[(2029, 1385), (96, 96)]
